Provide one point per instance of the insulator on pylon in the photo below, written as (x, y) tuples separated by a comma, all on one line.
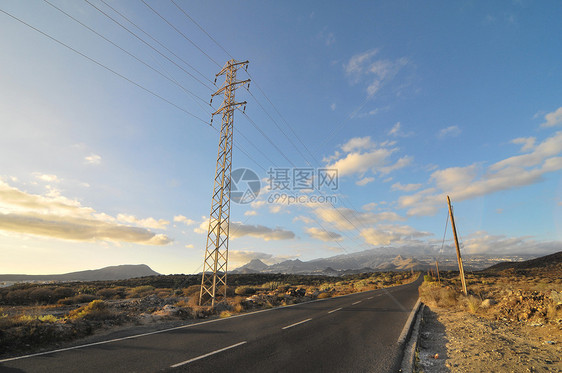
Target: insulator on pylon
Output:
[(248, 86), (215, 80), (244, 109), (211, 101)]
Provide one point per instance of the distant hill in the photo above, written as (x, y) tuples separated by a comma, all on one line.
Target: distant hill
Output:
[(365, 261), (548, 262), (254, 266), (120, 272)]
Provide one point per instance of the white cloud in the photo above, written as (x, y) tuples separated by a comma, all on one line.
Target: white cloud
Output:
[(46, 177), (183, 219), (238, 229), (406, 187), (400, 163), (451, 131), (363, 155), (189, 246), (56, 216), (333, 106), (323, 235), (463, 183), (347, 219), (376, 72), (527, 142), (396, 131), (365, 181), (399, 235), (553, 119), (370, 206), (146, 223), (482, 242), (250, 213), (358, 143), (93, 159)]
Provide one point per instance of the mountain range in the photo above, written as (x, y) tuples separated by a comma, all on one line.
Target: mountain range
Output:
[(120, 272), (364, 261), (378, 260)]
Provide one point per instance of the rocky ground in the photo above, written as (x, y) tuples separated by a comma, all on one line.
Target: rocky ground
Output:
[(508, 323), (457, 341)]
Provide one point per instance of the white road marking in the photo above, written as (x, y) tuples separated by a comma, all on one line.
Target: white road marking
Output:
[(337, 309), (295, 324), (359, 301), (370, 298), (406, 328), (204, 356), (181, 327)]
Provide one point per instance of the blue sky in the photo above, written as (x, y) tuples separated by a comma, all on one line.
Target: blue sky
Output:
[(409, 101)]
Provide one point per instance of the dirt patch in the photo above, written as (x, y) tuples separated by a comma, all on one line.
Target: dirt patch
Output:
[(457, 341)]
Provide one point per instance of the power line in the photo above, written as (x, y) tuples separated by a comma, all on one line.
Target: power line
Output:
[(201, 28), (147, 44), (124, 50), (156, 40), (181, 33), (103, 66)]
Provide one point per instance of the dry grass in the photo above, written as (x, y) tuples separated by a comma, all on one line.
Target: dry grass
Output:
[(95, 310), (434, 294)]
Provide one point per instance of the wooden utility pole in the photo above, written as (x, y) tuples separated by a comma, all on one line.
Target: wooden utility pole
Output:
[(437, 268), (459, 259)]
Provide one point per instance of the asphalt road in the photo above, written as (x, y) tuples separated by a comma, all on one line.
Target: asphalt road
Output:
[(353, 333)]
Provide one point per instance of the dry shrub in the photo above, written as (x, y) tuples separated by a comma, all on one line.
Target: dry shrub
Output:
[(324, 295), (141, 291), (95, 310), (433, 294), (224, 314), (192, 291), (236, 305), (472, 304), (244, 290), (80, 298), (182, 304)]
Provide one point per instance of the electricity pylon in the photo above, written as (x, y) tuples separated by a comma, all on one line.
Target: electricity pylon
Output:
[(215, 262)]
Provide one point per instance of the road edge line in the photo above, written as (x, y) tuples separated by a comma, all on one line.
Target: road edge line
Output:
[(408, 326), (408, 360), (5, 360)]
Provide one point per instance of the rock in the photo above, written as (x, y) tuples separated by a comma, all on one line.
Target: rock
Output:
[(556, 297), (167, 310), (487, 303)]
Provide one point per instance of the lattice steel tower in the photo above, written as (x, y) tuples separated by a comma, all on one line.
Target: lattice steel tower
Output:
[(215, 263)]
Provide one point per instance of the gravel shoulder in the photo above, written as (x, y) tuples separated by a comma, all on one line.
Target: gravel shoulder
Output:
[(457, 341)]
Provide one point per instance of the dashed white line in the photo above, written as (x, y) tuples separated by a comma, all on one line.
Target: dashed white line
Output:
[(359, 301), (370, 298), (337, 309), (206, 355), (295, 324)]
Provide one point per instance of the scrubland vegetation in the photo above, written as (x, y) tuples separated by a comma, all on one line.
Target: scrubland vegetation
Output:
[(511, 320), (512, 296), (35, 315)]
